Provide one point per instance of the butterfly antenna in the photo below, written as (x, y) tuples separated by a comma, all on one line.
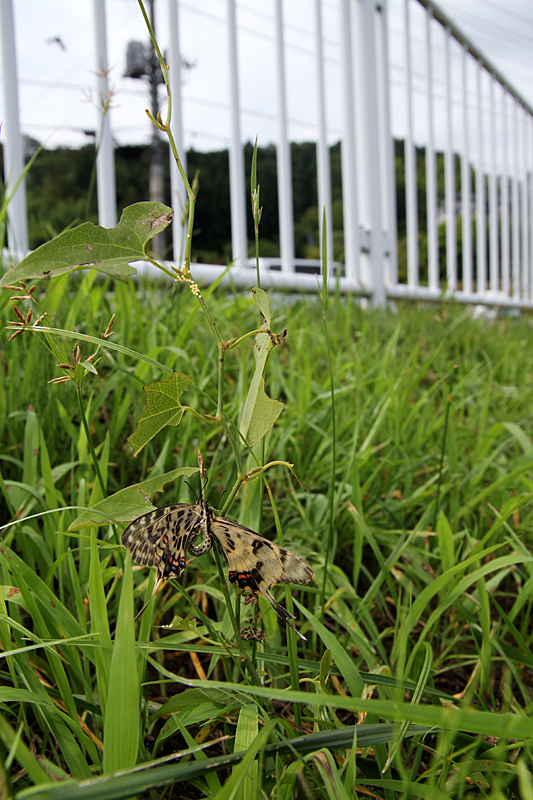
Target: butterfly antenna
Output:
[(158, 583), (203, 480)]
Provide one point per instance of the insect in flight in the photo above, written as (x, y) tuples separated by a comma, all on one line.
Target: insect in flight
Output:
[(162, 538)]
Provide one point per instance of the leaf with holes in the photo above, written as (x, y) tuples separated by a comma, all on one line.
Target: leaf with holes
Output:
[(108, 250)]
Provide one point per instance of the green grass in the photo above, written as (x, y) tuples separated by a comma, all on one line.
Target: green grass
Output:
[(421, 627)]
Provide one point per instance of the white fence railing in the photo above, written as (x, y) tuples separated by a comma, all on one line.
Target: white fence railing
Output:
[(488, 129), (473, 137)]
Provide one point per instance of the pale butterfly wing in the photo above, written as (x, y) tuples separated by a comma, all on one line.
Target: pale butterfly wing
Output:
[(257, 564)]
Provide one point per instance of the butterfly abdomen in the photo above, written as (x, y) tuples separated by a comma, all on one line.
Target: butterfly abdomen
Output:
[(204, 546)]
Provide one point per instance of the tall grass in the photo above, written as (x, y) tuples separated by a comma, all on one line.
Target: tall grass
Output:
[(423, 688)]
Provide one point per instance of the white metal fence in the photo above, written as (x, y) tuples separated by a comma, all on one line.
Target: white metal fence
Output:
[(469, 236)]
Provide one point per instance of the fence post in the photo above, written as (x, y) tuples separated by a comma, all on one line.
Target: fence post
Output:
[(410, 163), (350, 203), (283, 153), (431, 169), (368, 133), (386, 146), (13, 152), (105, 159), (525, 203), (466, 183), (529, 189), (494, 264), (515, 206), (239, 237), (481, 214), (506, 272), (449, 167), (322, 149)]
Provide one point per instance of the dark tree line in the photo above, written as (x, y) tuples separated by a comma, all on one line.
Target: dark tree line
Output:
[(61, 192)]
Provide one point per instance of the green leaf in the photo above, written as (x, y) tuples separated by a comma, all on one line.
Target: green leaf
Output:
[(455, 590), (65, 623), (108, 250), (129, 503), (446, 546), (421, 685), (129, 784), (260, 411), (13, 594), (191, 697), (99, 623), (239, 774), (10, 695), (190, 715), (162, 408), (325, 763), (265, 412), (342, 659), (31, 448), (245, 736), (263, 304), (23, 754), (121, 726), (524, 780)]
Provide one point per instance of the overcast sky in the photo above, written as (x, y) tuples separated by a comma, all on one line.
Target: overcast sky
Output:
[(56, 77)]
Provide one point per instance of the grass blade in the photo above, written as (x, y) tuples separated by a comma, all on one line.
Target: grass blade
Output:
[(121, 725)]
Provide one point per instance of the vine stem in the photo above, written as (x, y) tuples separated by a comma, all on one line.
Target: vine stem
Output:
[(184, 274)]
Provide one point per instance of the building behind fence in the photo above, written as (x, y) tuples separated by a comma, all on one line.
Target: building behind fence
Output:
[(469, 234)]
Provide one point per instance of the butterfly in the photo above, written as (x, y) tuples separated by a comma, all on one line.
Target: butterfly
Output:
[(162, 538)]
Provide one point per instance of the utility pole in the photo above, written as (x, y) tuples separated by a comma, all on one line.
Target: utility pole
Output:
[(156, 184), (142, 62)]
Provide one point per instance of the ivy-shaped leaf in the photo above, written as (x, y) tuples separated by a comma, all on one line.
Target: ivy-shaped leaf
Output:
[(109, 250), (163, 408)]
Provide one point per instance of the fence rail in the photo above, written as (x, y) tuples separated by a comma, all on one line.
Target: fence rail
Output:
[(467, 233)]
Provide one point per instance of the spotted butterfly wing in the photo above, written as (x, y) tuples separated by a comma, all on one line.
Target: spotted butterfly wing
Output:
[(257, 564), (160, 539)]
